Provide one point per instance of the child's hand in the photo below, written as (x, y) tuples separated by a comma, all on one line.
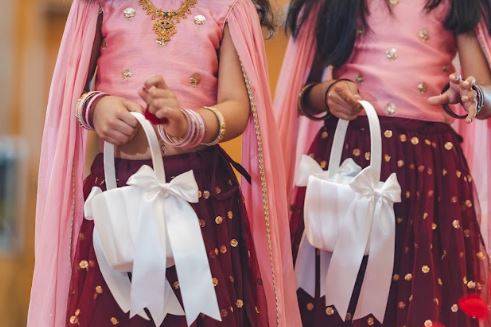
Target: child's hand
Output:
[(342, 100), (112, 119), (459, 91), (163, 103)]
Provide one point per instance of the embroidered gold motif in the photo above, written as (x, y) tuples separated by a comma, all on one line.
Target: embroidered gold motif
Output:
[(165, 22)]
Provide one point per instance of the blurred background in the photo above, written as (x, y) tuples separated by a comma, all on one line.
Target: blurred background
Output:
[(30, 32)]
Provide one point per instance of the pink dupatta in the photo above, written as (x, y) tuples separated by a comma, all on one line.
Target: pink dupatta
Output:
[(297, 133), (60, 199)]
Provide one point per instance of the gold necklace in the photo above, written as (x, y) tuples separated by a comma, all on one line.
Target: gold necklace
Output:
[(164, 22)]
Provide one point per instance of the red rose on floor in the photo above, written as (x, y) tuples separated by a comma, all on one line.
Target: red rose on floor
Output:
[(474, 306), (153, 119)]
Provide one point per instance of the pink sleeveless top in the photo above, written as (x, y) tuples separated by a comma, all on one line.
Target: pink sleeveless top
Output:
[(398, 64), (130, 53)]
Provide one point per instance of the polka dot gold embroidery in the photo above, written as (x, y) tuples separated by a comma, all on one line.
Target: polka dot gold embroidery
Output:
[(454, 308), (431, 193), (200, 194), (329, 311), (387, 158), (359, 78), (223, 249), (230, 215), (437, 302), (231, 278), (323, 164), (421, 168), (73, 320), (257, 310), (403, 137), (126, 74), (175, 285), (399, 220), (206, 194), (429, 171), (218, 220), (468, 203), (394, 2), (388, 133), (427, 142), (214, 281), (428, 323), (424, 34), (458, 173), (400, 163), (202, 223), (401, 305), (414, 140), (98, 289), (114, 321), (395, 277), (471, 285), (84, 264), (234, 243), (195, 79), (444, 172), (425, 269), (453, 199), (425, 215), (467, 232), (224, 313), (408, 194), (439, 281), (367, 155), (464, 280), (391, 54), (310, 306), (411, 297), (422, 87), (434, 226), (356, 152), (370, 321), (218, 190), (456, 224), (239, 303), (448, 146), (480, 255), (324, 135), (408, 277)]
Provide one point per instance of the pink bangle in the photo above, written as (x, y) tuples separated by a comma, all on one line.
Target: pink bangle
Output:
[(91, 105), (194, 135)]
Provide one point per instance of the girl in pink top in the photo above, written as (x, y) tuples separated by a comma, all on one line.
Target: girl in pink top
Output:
[(197, 69), (398, 55)]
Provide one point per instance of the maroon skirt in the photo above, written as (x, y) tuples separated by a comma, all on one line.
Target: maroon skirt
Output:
[(226, 232), (439, 252)]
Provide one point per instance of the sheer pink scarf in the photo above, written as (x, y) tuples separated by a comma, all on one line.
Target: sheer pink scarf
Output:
[(297, 133), (60, 199)]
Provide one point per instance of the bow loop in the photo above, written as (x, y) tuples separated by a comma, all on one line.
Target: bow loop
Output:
[(390, 190), (185, 187), (306, 168), (88, 210)]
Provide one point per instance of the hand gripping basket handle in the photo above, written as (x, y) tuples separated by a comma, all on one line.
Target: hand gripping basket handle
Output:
[(375, 141), (158, 163)]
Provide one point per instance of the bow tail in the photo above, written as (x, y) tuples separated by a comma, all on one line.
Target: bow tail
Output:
[(325, 261), (305, 266), (192, 266), (348, 254), (378, 276), (148, 280)]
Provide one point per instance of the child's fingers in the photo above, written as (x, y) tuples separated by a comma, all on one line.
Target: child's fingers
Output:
[(157, 81), (468, 83), (439, 100)]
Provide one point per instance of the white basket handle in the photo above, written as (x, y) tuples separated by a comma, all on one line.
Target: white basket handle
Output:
[(375, 141), (158, 163)]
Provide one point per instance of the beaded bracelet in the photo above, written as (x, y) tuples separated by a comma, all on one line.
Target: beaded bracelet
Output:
[(222, 127)]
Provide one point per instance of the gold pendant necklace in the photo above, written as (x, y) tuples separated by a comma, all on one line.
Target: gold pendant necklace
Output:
[(164, 22)]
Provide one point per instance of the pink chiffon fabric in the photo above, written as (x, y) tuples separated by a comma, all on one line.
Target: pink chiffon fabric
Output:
[(297, 133), (60, 197)]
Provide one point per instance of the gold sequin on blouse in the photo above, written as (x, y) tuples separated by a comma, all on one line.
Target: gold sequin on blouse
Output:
[(359, 78), (129, 12), (195, 79), (424, 34), (126, 74), (199, 20), (391, 54), (422, 87)]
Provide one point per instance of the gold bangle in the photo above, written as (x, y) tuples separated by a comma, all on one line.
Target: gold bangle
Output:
[(222, 127)]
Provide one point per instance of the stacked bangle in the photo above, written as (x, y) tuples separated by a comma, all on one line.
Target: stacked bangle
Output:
[(221, 126), (84, 107), (301, 104), (479, 98), (194, 135)]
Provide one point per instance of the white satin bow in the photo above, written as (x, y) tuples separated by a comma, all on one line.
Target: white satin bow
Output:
[(167, 228), (309, 167), (370, 221)]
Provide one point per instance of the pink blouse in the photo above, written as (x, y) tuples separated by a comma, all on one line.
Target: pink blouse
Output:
[(398, 64), (130, 53)]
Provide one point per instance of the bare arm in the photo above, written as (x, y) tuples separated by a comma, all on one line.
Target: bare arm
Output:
[(474, 63)]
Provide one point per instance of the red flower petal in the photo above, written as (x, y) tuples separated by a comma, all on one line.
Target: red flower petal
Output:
[(474, 306), (153, 119)]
